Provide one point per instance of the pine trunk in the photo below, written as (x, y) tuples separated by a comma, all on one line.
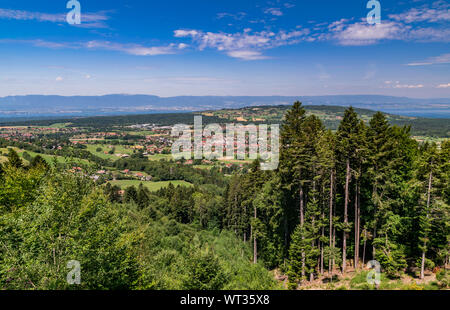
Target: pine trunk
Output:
[(285, 234), (344, 241), (333, 263), (255, 253), (357, 224), (313, 245), (364, 248), (375, 198), (330, 267), (422, 267), (301, 225), (321, 251)]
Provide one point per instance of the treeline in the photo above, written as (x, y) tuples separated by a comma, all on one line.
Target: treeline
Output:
[(105, 122), (49, 147), (201, 205), (170, 171), (341, 199)]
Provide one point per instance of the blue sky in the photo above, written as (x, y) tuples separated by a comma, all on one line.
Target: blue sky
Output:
[(233, 47)]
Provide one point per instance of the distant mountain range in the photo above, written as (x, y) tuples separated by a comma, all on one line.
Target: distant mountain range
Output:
[(38, 106)]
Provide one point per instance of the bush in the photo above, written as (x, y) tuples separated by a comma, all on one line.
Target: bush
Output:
[(443, 277), (429, 264), (204, 272), (392, 262)]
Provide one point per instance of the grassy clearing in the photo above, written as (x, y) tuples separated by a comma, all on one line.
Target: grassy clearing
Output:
[(152, 186), (93, 149), (48, 158), (206, 167), (159, 157), (236, 161), (118, 149), (141, 133)]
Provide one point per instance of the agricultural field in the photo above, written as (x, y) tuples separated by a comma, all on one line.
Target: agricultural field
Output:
[(160, 157)]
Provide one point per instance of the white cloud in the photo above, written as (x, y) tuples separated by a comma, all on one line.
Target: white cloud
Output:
[(247, 55), (419, 64), (185, 33), (245, 45), (135, 49), (438, 12), (441, 59), (274, 11), (408, 86), (362, 33), (250, 44), (428, 34), (443, 85), (148, 51), (424, 24), (132, 49), (289, 5), (59, 79), (334, 26), (238, 16), (88, 20)]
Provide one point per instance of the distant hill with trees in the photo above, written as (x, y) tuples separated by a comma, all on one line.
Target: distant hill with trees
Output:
[(329, 115)]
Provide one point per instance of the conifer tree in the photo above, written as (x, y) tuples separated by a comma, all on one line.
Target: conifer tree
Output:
[(348, 137), (292, 172), (432, 179), (38, 160), (326, 149), (130, 194), (398, 156), (14, 160), (378, 156)]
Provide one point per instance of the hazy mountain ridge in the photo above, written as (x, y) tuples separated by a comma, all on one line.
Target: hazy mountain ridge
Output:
[(42, 105)]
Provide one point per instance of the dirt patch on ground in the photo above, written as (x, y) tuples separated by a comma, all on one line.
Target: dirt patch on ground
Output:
[(338, 281)]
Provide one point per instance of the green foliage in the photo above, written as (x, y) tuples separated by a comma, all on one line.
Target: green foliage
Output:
[(443, 276), (204, 272), (19, 187), (119, 246), (14, 159), (180, 256), (69, 220), (39, 161)]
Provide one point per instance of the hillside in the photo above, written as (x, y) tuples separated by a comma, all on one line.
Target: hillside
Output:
[(330, 115)]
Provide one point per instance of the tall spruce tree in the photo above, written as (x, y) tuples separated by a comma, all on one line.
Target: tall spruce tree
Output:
[(292, 171), (348, 137), (378, 143)]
